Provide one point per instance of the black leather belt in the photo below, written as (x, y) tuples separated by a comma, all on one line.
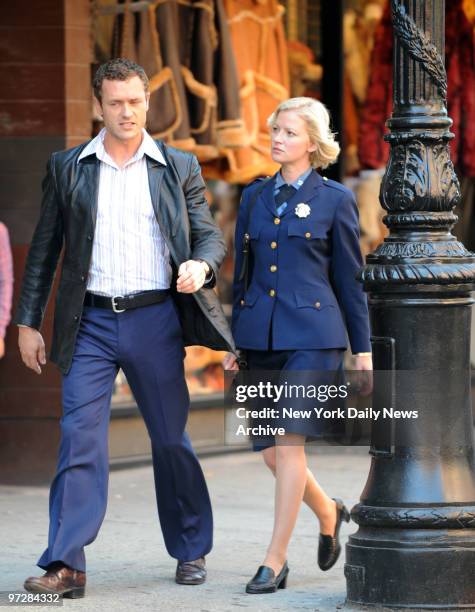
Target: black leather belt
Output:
[(121, 303)]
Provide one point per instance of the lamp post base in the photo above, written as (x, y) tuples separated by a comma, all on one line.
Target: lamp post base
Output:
[(411, 568)]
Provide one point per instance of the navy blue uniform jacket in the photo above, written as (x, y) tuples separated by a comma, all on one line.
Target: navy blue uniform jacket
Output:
[(302, 273)]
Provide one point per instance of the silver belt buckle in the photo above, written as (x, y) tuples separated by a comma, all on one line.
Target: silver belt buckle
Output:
[(114, 305)]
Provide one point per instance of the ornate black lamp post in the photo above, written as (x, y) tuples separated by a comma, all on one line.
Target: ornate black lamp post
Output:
[(415, 546)]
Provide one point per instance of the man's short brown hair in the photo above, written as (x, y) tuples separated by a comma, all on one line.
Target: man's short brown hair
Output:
[(118, 69)]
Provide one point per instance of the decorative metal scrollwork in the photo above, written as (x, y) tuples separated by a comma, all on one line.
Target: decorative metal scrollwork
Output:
[(449, 517), (406, 184), (419, 47), (415, 250), (460, 273)]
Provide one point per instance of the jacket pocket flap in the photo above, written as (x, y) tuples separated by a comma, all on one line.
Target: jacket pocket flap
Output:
[(306, 230), (312, 298)]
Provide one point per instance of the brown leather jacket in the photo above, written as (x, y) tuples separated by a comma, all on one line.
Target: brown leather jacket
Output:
[(68, 214)]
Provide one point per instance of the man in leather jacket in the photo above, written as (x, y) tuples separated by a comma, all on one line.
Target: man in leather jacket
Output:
[(141, 254)]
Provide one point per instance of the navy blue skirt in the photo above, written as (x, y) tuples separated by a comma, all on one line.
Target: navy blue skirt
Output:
[(313, 367)]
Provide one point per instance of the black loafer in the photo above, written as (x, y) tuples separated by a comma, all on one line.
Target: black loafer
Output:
[(265, 580), (191, 572), (329, 548)]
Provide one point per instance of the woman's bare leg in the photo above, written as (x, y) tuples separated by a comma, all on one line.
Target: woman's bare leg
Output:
[(291, 477), (314, 496)]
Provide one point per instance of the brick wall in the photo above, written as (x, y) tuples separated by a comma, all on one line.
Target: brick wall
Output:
[(45, 106)]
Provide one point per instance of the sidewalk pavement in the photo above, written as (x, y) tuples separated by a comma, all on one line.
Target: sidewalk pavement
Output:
[(129, 568)]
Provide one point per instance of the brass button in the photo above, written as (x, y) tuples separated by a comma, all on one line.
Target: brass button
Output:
[(242, 302), (272, 293), (273, 245), (273, 268), (277, 220), (325, 178), (307, 234), (317, 305)]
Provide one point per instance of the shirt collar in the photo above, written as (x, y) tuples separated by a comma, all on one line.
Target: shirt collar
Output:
[(279, 181), (148, 146)]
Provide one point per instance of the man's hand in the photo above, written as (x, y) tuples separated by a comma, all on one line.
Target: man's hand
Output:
[(191, 276), (230, 362), (32, 348), (2, 348)]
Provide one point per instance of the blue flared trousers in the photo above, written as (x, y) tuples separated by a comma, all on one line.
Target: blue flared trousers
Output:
[(147, 344)]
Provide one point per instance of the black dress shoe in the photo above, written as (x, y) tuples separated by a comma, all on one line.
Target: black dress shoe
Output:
[(265, 580), (329, 548), (191, 572)]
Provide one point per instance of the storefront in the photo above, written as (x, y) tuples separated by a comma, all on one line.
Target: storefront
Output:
[(217, 69)]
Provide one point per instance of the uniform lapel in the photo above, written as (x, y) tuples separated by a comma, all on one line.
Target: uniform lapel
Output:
[(267, 196), (308, 191)]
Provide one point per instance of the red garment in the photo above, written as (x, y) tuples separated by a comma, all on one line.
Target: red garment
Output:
[(6, 280), (463, 33), (373, 152)]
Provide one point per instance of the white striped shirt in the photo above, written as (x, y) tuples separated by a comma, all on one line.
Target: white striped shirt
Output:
[(129, 253)]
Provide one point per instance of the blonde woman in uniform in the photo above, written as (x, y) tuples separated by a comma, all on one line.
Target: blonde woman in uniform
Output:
[(300, 304)]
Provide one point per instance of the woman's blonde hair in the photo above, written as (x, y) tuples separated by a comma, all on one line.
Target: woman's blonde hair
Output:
[(317, 119)]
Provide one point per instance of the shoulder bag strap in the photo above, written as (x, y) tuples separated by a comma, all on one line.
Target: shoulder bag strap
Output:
[(244, 273)]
